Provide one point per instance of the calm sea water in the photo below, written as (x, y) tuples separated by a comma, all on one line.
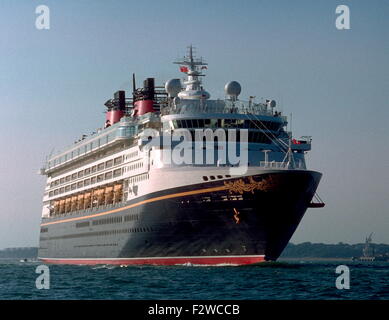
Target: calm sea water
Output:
[(281, 280)]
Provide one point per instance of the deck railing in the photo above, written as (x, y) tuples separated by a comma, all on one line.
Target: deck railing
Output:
[(283, 165), (219, 106)]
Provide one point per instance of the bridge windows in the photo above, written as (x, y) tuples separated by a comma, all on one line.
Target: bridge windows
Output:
[(227, 124)]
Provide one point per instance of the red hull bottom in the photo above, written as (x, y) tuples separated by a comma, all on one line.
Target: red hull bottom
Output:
[(223, 260)]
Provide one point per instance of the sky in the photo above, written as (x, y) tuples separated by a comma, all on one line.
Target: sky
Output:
[(335, 83)]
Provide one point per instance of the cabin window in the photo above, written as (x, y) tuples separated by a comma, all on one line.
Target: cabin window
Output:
[(109, 164), (117, 172), (118, 160)]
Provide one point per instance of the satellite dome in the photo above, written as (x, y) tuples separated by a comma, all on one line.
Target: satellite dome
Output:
[(173, 87), (232, 89), (271, 103)]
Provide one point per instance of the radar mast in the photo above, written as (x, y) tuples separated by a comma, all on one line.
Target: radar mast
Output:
[(192, 67)]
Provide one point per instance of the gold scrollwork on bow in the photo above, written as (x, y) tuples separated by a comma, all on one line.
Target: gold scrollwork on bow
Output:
[(240, 186)]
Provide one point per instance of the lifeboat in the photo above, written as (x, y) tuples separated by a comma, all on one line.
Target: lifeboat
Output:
[(74, 203), (118, 192), (68, 204), (100, 196), (56, 206), (108, 195), (80, 202), (62, 206), (87, 200), (94, 198)]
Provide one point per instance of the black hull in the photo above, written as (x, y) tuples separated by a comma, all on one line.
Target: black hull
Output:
[(242, 220)]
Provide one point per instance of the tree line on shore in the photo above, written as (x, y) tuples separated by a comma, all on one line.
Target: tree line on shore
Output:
[(322, 250)]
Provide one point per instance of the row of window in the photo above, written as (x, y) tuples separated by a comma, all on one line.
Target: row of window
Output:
[(139, 178), (90, 181), (110, 220), (133, 154), (99, 233), (227, 124), (83, 149), (82, 224), (253, 137), (135, 166), (96, 168)]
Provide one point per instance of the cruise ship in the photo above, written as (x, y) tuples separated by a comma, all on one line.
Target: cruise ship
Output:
[(175, 177)]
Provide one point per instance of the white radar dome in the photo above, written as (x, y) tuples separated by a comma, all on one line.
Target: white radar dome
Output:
[(232, 89), (173, 87), (271, 103)]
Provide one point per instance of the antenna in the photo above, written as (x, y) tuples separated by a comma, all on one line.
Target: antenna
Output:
[(133, 88), (193, 68)]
